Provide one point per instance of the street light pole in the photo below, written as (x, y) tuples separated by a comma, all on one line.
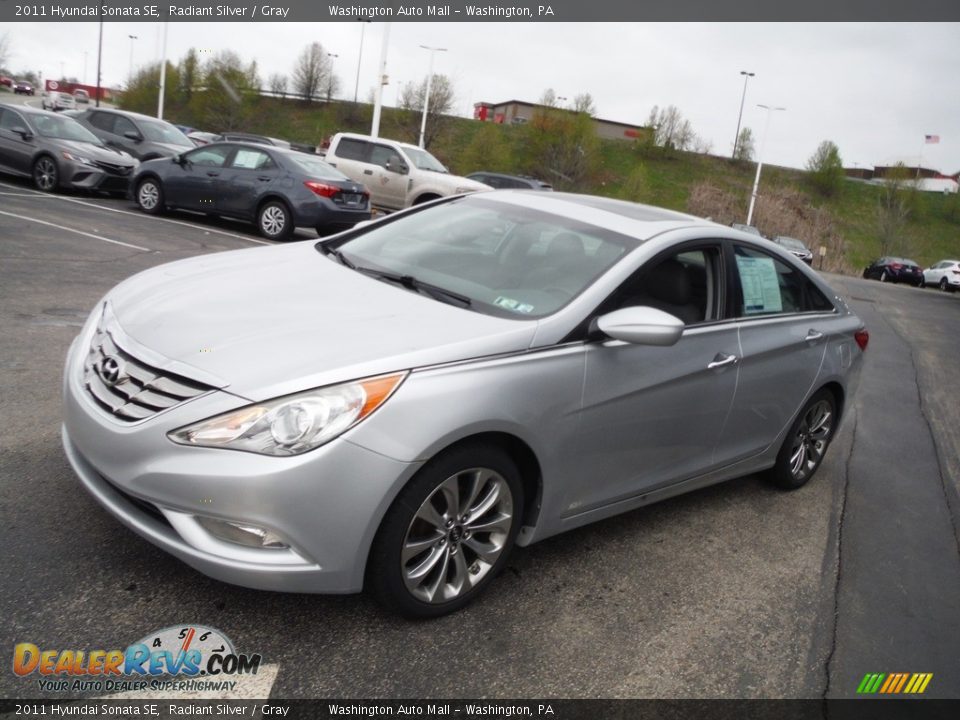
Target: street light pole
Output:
[(130, 74), (363, 27), (331, 78), (736, 138), (381, 81), (763, 141), (99, 58), (163, 73), (426, 97)]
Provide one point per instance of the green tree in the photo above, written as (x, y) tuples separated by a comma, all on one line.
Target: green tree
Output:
[(189, 70), (745, 146), (489, 149), (560, 146), (442, 96), (231, 91), (311, 74), (825, 169), (143, 91), (893, 209)]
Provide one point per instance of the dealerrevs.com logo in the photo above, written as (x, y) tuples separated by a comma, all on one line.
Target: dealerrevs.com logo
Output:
[(195, 656)]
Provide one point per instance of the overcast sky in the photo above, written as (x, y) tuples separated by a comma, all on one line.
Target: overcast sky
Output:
[(874, 89)]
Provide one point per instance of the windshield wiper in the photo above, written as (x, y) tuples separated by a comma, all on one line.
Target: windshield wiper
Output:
[(412, 283), (327, 250)]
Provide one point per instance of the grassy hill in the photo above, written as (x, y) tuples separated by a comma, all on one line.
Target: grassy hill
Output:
[(705, 185)]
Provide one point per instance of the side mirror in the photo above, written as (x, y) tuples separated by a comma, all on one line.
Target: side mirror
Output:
[(641, 326), (133, 135), (22, 132)]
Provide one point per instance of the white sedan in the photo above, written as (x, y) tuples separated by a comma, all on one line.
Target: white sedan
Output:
[(944, 275)]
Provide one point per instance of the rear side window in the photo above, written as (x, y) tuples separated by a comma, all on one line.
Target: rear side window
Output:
[(770, 287), (209, 156), (350, 149), (251, 160)]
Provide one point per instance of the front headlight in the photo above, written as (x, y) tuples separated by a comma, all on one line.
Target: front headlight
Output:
[(293, 424), (77, 158)]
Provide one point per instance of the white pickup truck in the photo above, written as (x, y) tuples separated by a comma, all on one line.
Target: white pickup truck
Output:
[(397, 174)]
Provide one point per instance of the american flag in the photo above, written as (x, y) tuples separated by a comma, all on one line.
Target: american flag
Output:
[(931, 139)]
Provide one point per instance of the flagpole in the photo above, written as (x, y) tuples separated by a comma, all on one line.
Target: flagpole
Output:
[(920, 160)]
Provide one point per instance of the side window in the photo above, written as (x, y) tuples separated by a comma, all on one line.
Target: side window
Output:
[(382, 154), (102, 121), (9, 120), (350, 149), (685, 284), (209, 156), (121, 126), (770, 287), (251, 160)]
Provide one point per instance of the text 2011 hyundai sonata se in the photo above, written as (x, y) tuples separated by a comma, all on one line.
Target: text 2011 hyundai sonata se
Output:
[(395, 407)]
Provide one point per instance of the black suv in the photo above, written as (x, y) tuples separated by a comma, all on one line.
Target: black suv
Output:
[(142, 136)]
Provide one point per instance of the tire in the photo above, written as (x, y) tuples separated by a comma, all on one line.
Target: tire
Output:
[(46, 175), (806, 442), (426, 198), (274, 221), (150, 196), (883, 276), (429, 557), (944, 284)]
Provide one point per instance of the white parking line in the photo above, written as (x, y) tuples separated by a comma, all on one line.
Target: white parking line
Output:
[(73, 230), (142, 215), (243, 687), (17, 194)]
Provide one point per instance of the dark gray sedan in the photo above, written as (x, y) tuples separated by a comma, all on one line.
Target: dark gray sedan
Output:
[(276, 188), (58, 152)]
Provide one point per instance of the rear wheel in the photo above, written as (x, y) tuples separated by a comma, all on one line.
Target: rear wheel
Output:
[(883, 276), (274, 221), (806, 442), (150, 196), (46, 176), (944, 284), (448, 533)]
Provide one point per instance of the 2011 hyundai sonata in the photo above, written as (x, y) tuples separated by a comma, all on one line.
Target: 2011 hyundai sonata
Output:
[(395, 407)]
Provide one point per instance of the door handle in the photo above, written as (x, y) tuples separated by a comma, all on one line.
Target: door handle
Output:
[(368, 172), (213, 174), (264, 178), (722, 360), (813, 335)]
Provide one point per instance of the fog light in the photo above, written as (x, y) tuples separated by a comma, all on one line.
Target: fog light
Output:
[(242, 534)]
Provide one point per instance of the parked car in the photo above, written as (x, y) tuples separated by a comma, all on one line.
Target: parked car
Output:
[(81, 96), (396, 407), (6, 82), (58, 152), (746, 228), (499, 181), (944, 275), (55, 100), (22, 87), (144, 137), (895, 270), (796, 247), (277, 189), (399, 175), (198, 137)]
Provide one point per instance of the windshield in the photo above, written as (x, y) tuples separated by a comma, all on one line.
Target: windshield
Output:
[(164, 133), (316, 167), (424, 160), (65, 128), (506, 260), (792, 243)]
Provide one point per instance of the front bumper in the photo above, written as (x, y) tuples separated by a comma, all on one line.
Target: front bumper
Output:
[(90, 177), (326, 504)]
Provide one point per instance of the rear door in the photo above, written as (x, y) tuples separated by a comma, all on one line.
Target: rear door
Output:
[(248, 174), (784, 324), (194, 184)]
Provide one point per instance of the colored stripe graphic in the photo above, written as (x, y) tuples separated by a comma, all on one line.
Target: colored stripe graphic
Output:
[(894, 683)]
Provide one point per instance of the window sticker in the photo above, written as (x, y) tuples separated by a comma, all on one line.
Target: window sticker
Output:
[(247, 159), (761, 286), (511, 304)]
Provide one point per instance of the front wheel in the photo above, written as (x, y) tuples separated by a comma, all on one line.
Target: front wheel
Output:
[(274, 221), (806, 442), (883, 276), (150, 196), (448, 533), (46, 176), (943, 284)]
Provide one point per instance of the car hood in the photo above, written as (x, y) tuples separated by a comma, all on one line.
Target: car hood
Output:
[(271, 321), (453, 183), (95, 152)]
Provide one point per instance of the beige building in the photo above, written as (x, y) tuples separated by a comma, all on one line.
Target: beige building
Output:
[(517, 112)]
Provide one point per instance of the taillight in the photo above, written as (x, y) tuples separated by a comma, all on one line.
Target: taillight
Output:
[(894, 266), (862, 337), (955, 272), (321, 189)]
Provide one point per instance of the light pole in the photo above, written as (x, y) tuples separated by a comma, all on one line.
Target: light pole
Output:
[(363, 27), (382, 80), (426, 96), (99, 58), (331, 78), (736, 138), (163, 73), (763, 141), (130, 74)]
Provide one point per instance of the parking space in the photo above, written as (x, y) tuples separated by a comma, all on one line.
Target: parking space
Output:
[(738, 590)]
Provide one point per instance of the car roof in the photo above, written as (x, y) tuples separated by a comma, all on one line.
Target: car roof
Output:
[(29, 110)]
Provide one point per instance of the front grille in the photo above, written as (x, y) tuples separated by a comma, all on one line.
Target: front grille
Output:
[(113, 169), (128, 388)]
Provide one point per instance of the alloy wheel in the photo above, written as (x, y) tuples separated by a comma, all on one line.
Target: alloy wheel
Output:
[(457, 535), (273, 220), (148, 195), (943, 284), (810, 442), (45, 174)]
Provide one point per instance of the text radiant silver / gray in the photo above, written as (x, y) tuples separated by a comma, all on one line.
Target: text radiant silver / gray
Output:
[(395, 407)]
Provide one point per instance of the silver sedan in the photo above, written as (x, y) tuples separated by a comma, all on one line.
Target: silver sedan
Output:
[(395, 407)]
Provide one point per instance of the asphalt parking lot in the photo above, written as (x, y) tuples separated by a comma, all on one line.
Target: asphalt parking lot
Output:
[(738, 590)]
